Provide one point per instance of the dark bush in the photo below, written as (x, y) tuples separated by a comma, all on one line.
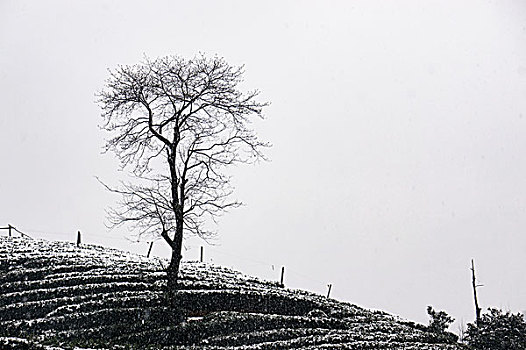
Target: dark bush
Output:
[(498, 331), (439, 321)]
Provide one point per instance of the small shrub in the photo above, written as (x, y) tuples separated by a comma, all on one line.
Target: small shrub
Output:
[(439, 321), (316, 313), (438, 325)]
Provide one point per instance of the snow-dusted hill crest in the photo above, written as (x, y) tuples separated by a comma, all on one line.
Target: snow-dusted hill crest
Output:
[(58, 295)]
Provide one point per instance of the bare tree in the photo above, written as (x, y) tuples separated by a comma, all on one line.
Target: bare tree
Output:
[(177, 123), (475, 286)]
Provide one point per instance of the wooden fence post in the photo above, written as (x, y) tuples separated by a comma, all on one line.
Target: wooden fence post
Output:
[(78, 238), (282, 275), (150, 249), (329, 292)]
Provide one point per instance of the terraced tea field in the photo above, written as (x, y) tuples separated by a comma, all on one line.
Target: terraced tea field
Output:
[(56, 295)]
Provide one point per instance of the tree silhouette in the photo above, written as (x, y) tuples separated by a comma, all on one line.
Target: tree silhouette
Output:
[(439, 320), (496, 330), (177, 123)]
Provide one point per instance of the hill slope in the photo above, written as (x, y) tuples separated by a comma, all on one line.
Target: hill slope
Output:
[(57, 294)]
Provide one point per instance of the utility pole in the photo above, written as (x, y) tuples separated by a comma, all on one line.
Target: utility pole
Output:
[(475, 286), (329, 292), (10, 227), (282, 275), (202, 254), (78, 238)]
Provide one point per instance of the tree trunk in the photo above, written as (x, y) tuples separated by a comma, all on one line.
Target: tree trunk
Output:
[(474, 283), (172, 271), (177, 243)]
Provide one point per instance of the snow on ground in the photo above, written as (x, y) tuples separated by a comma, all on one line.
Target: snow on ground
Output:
[(56, 295)]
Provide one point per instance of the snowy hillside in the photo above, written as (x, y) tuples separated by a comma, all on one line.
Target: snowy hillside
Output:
[(56, 295)]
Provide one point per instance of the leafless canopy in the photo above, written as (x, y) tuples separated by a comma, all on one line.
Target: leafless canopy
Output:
[(177, 123)]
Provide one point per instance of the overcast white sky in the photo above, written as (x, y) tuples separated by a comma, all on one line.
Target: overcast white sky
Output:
[(399, 133)]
